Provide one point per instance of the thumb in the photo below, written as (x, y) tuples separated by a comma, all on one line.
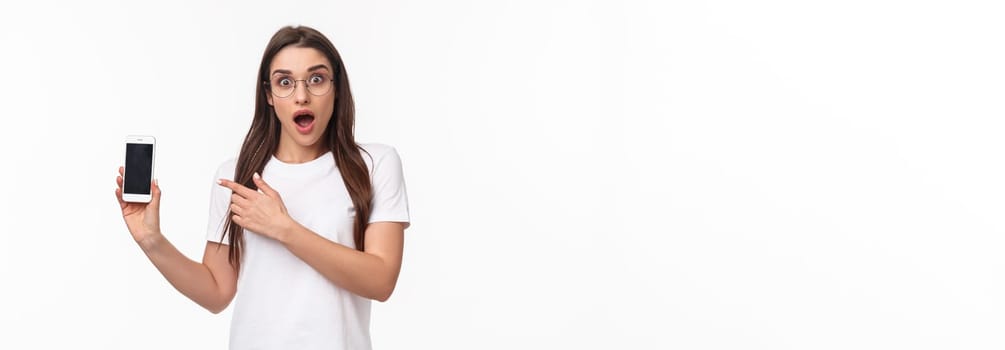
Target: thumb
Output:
[(264, 186)]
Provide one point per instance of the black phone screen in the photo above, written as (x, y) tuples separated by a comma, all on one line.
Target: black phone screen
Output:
[(139, 164)]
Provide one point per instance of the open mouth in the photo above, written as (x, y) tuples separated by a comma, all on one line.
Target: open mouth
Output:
[(304, 120)]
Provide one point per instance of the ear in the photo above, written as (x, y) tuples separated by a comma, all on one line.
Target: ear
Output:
[(268, 92)]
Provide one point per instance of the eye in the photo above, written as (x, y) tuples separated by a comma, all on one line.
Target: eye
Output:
[(283, 82), (316, 79)]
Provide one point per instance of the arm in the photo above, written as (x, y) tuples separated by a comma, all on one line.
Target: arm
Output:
[(211, 284), (371, 274)]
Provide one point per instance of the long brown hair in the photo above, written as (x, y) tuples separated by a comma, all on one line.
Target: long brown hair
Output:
[(263, 137)]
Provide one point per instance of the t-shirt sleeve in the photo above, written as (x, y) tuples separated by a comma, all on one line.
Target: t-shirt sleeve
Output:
[(390, 200), (219, 204)]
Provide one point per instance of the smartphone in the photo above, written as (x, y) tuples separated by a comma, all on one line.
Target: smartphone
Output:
[(139, 168)]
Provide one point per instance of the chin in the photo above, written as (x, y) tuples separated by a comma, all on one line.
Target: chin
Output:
[(309, 141)]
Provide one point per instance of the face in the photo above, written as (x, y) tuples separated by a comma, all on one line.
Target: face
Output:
[(304, 114)]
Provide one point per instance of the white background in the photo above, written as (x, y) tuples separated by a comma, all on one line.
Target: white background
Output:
[(688, 175)]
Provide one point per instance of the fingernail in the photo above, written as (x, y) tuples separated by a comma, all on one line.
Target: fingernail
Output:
[(156, 182), (257, 177), (219, 181)]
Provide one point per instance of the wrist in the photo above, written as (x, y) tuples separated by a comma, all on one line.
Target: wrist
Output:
[(288, 231), (150, 241)]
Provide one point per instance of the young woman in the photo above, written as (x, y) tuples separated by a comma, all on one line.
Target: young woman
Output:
[(306, 226)]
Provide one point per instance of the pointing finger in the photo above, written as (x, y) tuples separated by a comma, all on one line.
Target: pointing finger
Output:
[(236, 187), (264, 186)]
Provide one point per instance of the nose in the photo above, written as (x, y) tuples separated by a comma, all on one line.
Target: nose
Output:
[(300, 93)]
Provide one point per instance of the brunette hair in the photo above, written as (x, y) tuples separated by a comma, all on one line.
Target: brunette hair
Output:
[(263, 136)]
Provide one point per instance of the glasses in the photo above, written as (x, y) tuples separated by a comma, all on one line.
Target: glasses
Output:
[(317, 85)]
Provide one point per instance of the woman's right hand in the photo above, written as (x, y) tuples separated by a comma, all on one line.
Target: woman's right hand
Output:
[(142, 219)]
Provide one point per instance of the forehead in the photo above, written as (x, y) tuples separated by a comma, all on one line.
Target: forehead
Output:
[(298, 59)]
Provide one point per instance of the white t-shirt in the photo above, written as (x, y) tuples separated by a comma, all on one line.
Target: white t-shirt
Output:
[(281, 302)]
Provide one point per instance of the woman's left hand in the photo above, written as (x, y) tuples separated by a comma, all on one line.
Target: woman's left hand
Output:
[(260, 211)]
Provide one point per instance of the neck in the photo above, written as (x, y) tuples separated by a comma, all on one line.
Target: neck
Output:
[(291, 152)]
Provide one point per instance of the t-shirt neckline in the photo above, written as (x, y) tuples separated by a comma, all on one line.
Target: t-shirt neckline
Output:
[(322, 159)]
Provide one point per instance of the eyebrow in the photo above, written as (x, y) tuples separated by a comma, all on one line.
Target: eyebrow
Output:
[(311, 69)]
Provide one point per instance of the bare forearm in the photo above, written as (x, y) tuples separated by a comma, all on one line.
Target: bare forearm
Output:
[(359, 272), (191, 278)]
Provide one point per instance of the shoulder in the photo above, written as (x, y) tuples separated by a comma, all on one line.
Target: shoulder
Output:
[(381, 159), (377, 150), (227, 168), (376, 153)]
